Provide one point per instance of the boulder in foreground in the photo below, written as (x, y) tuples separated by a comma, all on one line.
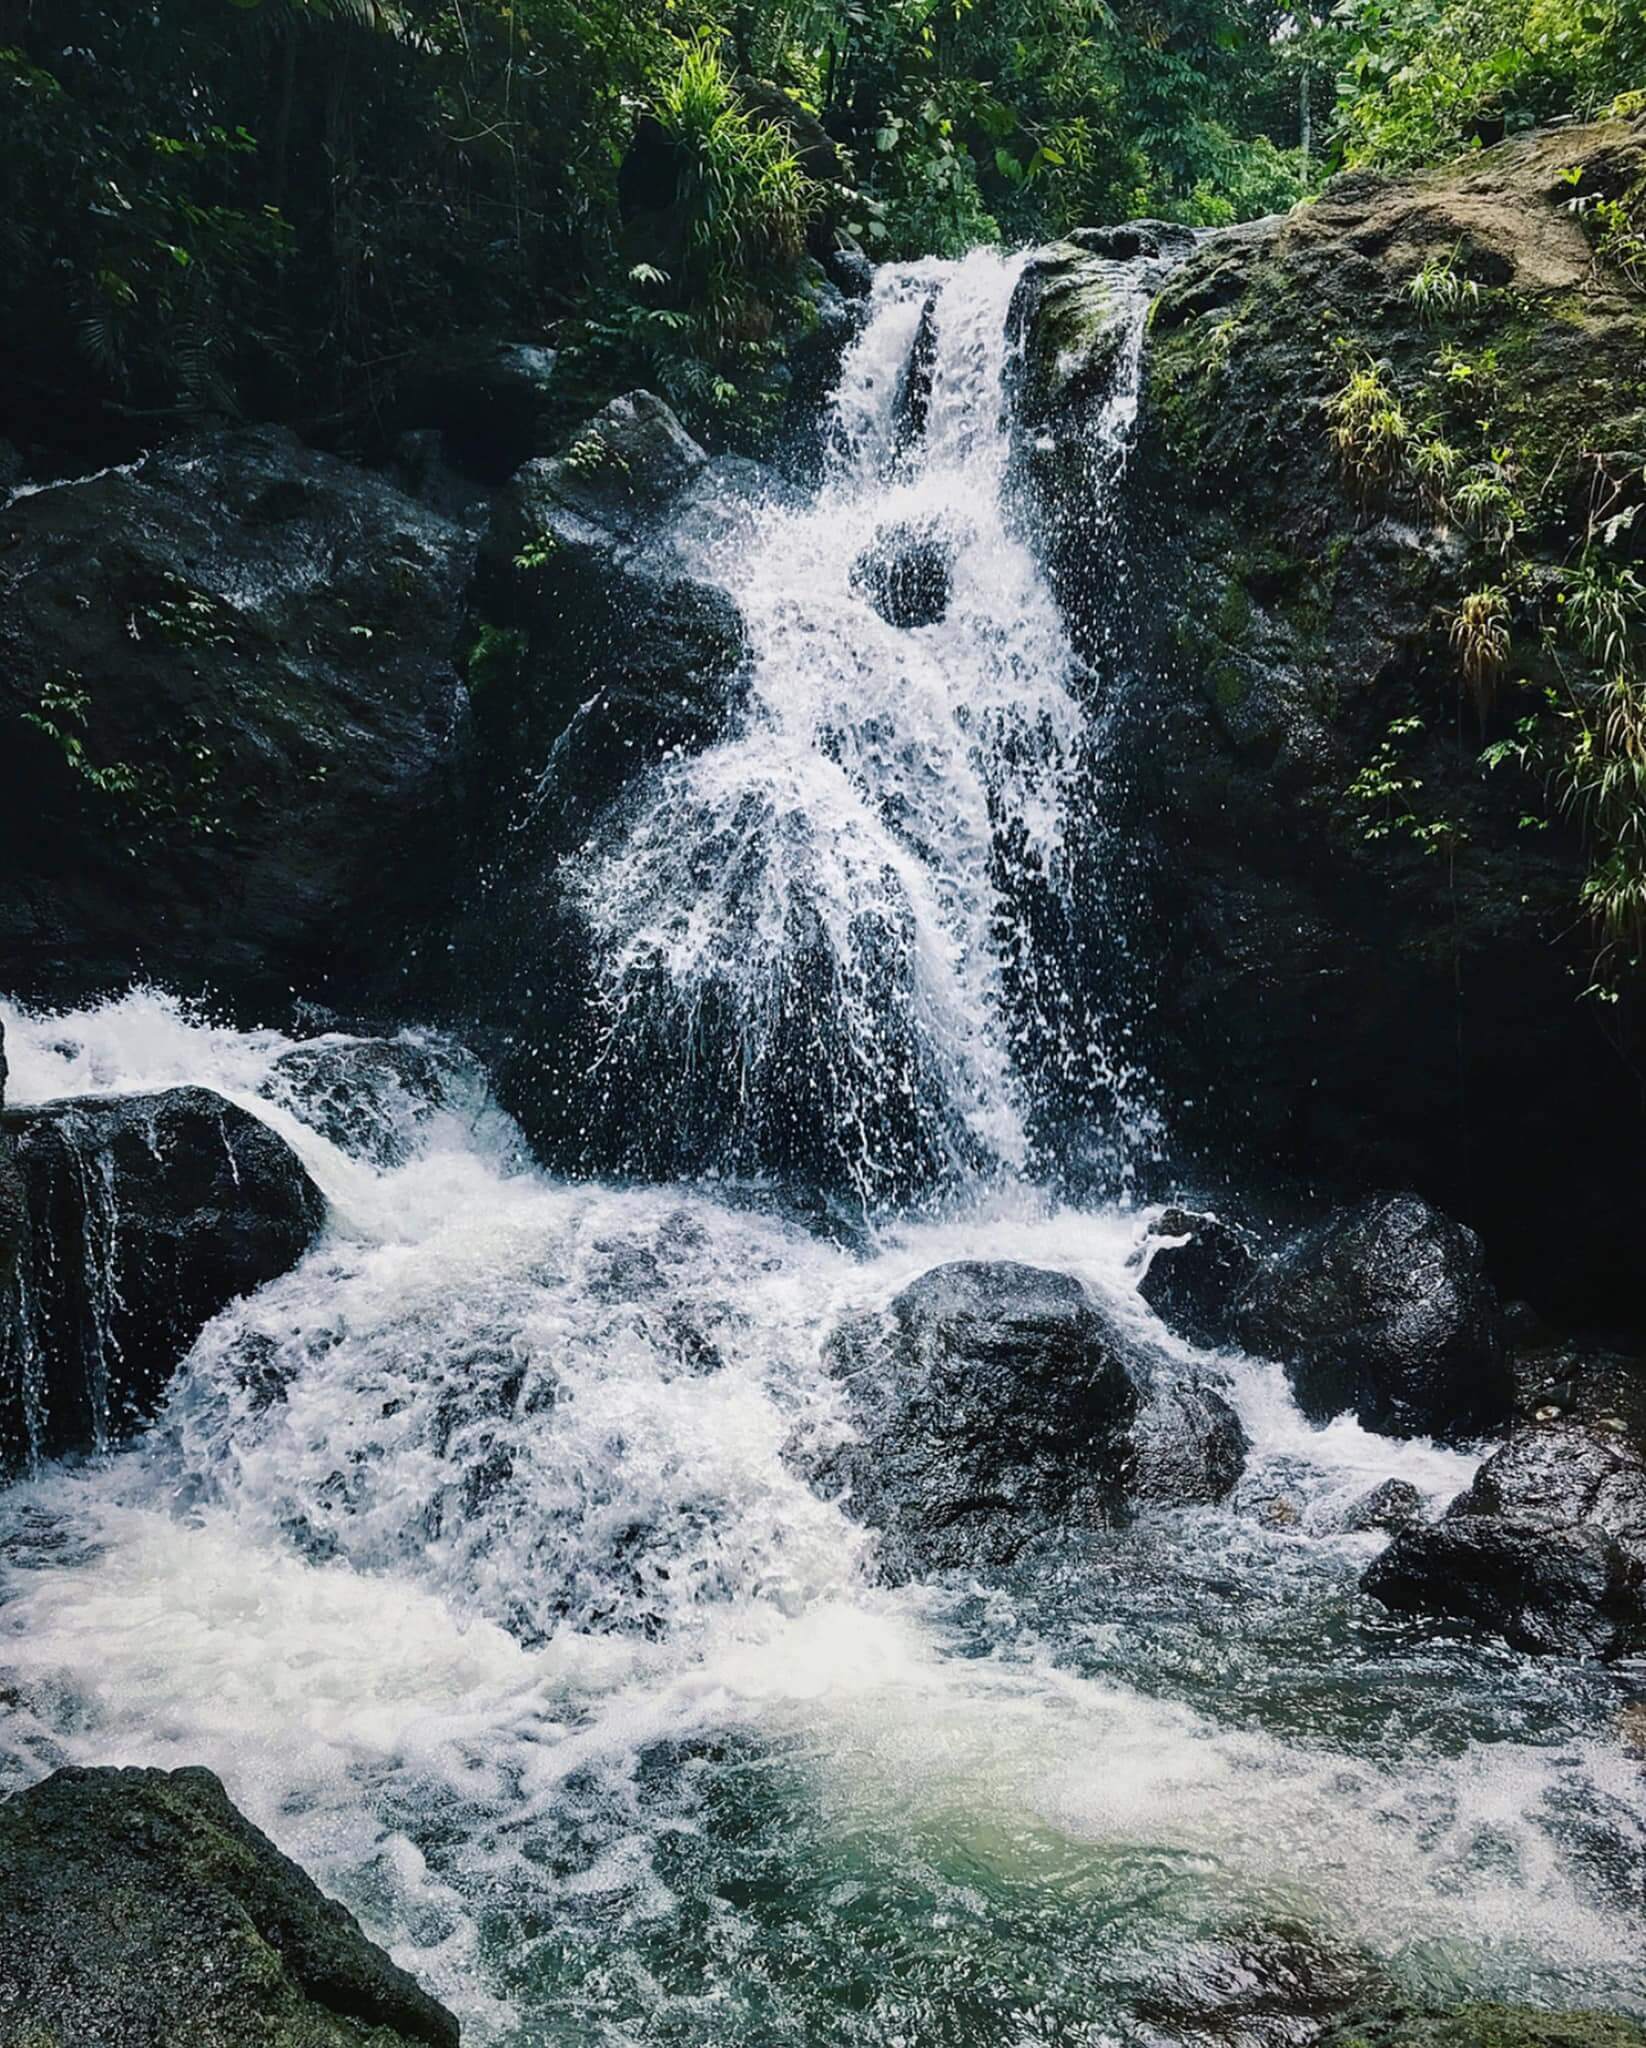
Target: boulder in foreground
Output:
[(142, 1910)]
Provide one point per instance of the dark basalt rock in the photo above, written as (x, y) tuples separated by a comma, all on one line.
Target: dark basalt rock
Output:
[(145, 1215), (492, 402), (1548, 1545), (1186, 1446), (850, 272), (906, 573), (1130, 239), (1391, 1507), (141, 1908), (1193, 1278), (913, 399), (1486, 2026), (1333, 1001), (614, 656), (1386, 1309), (998, 1406), (606, 658), (991, 1401), (226, 685)]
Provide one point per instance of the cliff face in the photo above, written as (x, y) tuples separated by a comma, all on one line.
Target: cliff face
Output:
[(1372, 953)]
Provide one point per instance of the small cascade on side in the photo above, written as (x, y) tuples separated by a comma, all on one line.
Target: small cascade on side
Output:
[(832, 948)]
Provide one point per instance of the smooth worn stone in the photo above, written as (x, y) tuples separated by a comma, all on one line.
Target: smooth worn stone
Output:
[(1386, 1309)]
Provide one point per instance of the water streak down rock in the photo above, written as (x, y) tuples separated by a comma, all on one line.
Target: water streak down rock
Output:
[(145, 1215)]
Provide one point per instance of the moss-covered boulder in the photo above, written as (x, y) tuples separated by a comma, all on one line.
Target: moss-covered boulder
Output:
[(141, 1910), (1372, 955), (1488, 2026)]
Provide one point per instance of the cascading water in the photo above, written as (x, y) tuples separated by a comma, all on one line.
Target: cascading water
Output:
[(468, 1552), (809, 941)]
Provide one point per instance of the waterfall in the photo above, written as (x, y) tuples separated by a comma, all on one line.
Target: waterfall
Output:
[(472, 1551), (809, 943)]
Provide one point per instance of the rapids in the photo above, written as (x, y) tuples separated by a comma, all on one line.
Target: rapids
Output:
[(468, 1555)]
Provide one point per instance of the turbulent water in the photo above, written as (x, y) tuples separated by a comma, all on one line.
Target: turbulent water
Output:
[(467, 1553), (824, 942)]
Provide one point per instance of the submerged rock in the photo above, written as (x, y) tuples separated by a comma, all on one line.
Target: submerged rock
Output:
[(907, 574), (226, 687), (141, 1907), (1547, 1547), (1386, 1309), (145, 1215), (997, 1406), (1262, 1986), (1391, 1507), (1197, 1266)]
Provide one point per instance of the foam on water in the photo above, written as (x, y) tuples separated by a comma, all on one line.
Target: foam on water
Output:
[(449, 1536), (468, 1552)]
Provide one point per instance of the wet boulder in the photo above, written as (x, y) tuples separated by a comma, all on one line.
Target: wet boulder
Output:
[(907, 574), (995, 1407), (144, 1216), (1186, 1446), (912, 401), (374, 1098), (1485, 2026), (1547, 1547), (227, 683), (1197, 1267), (142, 1907), (1391, 1507), (599, 653), (1386, 1309), (990, 1403)]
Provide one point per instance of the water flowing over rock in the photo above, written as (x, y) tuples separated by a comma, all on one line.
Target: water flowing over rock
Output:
[(1388, 1310), (227, 688), (907, 574), (799, 936), (141, 1907), (144, 1215), (1197, 1267)]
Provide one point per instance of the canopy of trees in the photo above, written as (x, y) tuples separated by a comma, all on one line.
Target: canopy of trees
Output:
[(271, 206)]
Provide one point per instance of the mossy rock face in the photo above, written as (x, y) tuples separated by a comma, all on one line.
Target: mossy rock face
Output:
[(143, 1911), (1489, 2026), (1367, 977), (226, 686)]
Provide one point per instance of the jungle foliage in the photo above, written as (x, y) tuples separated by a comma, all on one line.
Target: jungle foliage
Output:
[(269, 207)]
